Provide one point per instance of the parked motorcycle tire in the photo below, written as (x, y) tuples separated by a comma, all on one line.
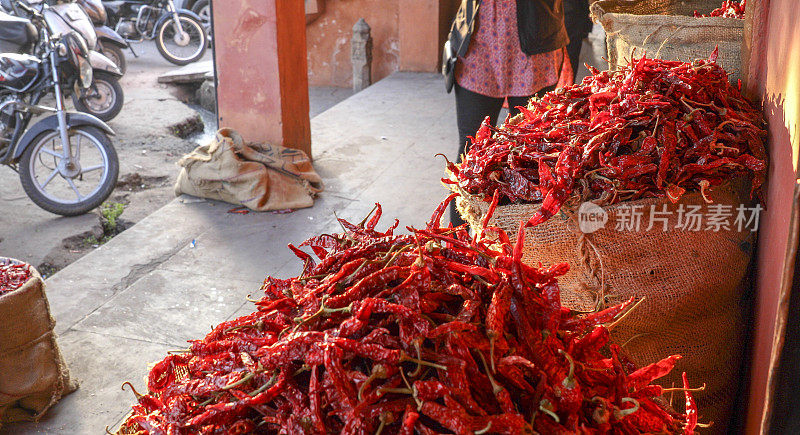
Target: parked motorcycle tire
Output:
[(104, 99), (168, 43), (58, 190), (203, 10), (115, 53)]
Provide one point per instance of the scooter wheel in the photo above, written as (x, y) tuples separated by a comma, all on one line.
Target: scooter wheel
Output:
[(104, 99), (116, 55), (75, 188), (182, 50)]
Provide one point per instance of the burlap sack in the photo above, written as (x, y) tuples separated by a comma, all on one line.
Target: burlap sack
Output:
[(33, 375), (691, 282), (260, 177), (667, 29)]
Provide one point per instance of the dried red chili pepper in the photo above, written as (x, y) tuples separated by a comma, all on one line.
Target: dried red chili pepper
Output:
[(420, 334), (13, 276), (654, 128)]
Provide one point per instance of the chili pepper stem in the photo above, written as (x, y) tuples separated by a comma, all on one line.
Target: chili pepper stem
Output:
[(492, 337), (405, 358), (547, 411), (484, 430), (624, 315), (206, 402), (496, 388), (396, 254), (364, 221), (322, 311), (386, 390), (619, 414), (241, 381), (634, 338), (692, 390), (413, 390), (416, 371), (135, 393), (258, 325), (569, 381), (380, 427), (367, 381)]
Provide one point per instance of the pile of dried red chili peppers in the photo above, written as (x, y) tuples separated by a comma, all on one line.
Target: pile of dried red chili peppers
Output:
[(654, 128), (431, 332), (729, 9), (13, 276)]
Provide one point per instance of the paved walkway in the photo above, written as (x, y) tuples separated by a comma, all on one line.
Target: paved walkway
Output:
[(191, 264)]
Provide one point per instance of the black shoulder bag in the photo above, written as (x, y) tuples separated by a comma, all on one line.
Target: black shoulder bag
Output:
[(459, 35)]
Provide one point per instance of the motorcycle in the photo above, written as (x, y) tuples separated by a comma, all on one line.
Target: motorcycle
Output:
[(104, 99), (109, 42), (66, 162), (179, 34)]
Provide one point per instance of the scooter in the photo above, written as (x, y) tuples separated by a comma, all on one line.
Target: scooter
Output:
[(67, 164), (179, 34), (105, 97), (109, 42)]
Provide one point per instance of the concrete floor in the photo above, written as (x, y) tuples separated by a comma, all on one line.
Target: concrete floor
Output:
[(190, 265), (145, 147)]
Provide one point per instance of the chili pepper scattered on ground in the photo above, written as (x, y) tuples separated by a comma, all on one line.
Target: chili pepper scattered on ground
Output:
[(729, 9), (429, 332), (13, 276), (655, 128)]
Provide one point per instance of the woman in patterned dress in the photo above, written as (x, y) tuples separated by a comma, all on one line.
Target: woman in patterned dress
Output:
[(507, 49)]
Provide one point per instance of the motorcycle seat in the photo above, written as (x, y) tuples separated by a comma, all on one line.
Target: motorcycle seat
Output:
[(17, 35)]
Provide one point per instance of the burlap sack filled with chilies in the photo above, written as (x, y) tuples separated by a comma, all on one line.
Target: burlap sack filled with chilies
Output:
[(260, 177), (33, 375), (691, 281), (667, 29)]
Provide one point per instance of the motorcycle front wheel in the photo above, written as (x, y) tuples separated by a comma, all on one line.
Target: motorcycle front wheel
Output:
[(103, 99), (69, 189), (185, 48), (114, 52)]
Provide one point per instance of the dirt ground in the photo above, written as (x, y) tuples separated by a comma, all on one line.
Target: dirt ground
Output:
[(148, 153)]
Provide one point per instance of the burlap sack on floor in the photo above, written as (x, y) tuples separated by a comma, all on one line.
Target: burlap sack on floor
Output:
[(260, 177), (33, 375), (667, 29), (691, 282)]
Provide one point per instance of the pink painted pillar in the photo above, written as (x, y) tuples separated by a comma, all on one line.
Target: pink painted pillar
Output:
[(262, 74)]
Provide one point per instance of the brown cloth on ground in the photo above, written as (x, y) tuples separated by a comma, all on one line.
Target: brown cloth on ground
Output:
[(260, 177), (33, 375), (692, 282)]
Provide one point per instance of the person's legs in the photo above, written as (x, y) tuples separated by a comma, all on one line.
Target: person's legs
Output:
[(574, 52), (471, 109)]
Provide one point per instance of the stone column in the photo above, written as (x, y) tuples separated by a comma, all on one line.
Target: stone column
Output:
[(361, 55), (262, 74)]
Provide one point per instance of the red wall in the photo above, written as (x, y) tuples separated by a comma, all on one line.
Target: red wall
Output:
[(328, 41), (775, 59), (407, 35)]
